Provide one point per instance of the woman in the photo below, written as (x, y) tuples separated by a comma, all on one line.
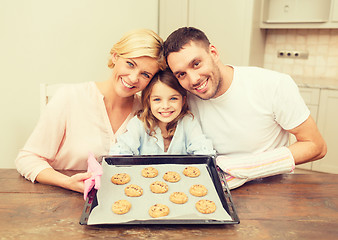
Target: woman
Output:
[(88, 117)]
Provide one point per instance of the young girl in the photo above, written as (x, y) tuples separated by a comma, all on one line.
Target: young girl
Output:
[(165, 124)]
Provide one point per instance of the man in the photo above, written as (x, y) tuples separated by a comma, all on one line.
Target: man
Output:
[(247, 112)]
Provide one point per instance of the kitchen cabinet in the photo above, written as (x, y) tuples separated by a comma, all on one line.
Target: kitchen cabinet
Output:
[(323, 106), (231, 26), (299, 14), (334, 13)]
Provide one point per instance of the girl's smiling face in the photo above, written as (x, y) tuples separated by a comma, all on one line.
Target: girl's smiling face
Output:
[(165, 103)]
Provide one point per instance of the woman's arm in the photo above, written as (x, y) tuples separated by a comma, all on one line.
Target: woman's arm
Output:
[(51, 177), (45, 140)]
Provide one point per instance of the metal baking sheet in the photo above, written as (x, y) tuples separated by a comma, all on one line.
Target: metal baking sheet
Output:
[(97, 209)]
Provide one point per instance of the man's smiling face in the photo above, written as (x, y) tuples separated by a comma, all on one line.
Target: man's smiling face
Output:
[(196, 69)]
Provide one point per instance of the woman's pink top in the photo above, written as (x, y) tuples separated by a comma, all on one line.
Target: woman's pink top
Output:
[(74, 123)]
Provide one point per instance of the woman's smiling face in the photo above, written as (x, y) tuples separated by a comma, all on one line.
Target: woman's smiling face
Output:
[(132, 75)]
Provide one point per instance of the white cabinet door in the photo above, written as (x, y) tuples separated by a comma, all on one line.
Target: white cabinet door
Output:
[(327, 124), (296, 11), (334, 11), (299, 14), (310, 96)]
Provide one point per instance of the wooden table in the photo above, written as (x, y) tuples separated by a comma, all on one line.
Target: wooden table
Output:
[(295, 206)]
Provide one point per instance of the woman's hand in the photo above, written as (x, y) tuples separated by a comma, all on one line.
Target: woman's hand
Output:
[(51, 177), (76, 182)]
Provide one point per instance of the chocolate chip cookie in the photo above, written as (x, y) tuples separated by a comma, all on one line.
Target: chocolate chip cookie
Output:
[(198, 190), (159, 187), (158, 210), (171, 176), (205, 206), (191, 171), (120, 178), (149, 172), (121, 207), (178, 197), (133, 190)]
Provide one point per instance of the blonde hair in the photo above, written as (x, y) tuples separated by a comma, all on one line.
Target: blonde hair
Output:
[(139, 43)]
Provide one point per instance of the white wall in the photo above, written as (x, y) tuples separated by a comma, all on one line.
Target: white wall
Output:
[(321, 45), (232, 26), (49, 41)]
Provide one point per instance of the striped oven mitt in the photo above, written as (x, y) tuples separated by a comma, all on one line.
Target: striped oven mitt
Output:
[(239, 170)]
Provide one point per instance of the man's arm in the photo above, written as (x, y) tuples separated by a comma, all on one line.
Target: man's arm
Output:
[(310, 144)]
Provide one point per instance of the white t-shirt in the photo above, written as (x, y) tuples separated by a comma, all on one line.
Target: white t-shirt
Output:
[(252, 116)]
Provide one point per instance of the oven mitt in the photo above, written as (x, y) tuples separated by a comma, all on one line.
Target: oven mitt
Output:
[(95, 180), (242, 169)]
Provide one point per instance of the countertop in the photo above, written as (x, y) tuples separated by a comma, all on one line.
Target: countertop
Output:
[(289, 206), (322, 83)]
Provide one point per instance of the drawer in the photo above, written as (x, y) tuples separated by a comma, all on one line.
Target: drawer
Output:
[(310, 95)]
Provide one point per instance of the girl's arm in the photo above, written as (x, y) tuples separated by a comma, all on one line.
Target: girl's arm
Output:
[(197, 143)]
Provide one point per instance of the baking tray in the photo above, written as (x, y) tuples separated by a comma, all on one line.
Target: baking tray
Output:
[(216, 176)]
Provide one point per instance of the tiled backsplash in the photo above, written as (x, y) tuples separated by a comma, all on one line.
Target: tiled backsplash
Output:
[(321, 44)]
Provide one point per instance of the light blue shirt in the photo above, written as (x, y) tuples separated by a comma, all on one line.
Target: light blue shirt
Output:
[(188, 139)]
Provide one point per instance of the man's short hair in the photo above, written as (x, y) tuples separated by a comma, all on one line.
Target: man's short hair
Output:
[(177, 39)]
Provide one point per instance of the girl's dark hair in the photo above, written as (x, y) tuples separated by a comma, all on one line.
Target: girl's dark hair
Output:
[(146, 116), (177, 39)]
